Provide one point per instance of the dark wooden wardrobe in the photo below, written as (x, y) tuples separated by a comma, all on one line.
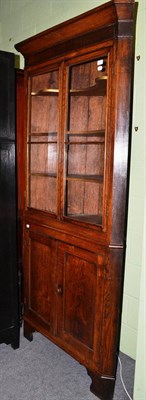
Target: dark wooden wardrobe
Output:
[(9, 314)]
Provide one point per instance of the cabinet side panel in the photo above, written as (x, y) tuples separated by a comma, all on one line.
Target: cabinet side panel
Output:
[(112, 310), (123, 67)]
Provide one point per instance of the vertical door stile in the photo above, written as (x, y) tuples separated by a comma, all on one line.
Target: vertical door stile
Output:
[(60, 140), (64, 111)]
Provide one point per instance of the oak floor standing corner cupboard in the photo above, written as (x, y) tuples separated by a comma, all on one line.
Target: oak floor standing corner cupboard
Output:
[(77, 134)]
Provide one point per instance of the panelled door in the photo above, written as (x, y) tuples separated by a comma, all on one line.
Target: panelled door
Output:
[(80, 283), (39, 278)]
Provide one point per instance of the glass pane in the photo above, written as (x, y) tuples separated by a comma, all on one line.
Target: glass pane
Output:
[(44, 103), (43, 158), (42, 141), (86, 160), (85, 141), (43, 193), (80, 204), (87, 97), (44, 116)]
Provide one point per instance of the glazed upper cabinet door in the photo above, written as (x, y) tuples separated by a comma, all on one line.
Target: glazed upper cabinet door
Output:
[(84, 139), (80, 300), (67, 150), (43, 141), (40, 256)]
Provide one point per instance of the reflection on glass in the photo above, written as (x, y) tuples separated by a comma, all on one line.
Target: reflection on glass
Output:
[(42, 141), (85, 141)]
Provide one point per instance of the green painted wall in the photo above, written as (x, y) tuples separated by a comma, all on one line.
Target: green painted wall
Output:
[(20, 19), (140, 370), (139, 158)]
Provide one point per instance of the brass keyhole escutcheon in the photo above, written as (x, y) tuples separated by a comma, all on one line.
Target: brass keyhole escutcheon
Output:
[(59, 289)]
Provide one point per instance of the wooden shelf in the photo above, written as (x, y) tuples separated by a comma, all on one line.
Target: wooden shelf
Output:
[(32, 138), (44, 174), (46, 92), (85, 178), (42, 134), (48, 142), (99, 133), (92, 219), (84, 143), (99, 89)]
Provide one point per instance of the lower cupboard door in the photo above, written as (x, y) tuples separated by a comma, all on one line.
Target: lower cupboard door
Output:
[(39, 280), (80, 303)]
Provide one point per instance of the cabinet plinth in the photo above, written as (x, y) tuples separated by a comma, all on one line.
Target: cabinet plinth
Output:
[(77, 135)]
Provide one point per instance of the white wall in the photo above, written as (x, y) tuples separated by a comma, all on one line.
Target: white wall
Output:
[(20, 19)]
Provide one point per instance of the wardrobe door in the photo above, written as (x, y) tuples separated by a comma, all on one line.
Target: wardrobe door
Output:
[(9, 320), (19, 76)]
